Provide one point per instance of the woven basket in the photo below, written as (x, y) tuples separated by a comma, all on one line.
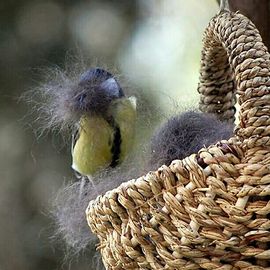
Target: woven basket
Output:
[(211, 209)]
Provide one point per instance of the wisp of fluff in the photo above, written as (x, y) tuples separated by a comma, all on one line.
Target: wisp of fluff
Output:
[(65, 95), (71, 202), (185, 134)]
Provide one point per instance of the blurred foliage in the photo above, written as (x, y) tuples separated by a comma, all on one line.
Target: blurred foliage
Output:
[(155, 44)]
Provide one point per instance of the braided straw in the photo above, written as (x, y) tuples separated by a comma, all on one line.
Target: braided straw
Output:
[(211, 209)]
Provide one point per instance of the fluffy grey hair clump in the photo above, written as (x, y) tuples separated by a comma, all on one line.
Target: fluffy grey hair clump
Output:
[(69, 207), (64, 96), (185, 134), (69, 216)]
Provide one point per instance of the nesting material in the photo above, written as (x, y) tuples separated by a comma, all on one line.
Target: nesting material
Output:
[(66, 94), (69, 216), (68, 209), (185, 134)]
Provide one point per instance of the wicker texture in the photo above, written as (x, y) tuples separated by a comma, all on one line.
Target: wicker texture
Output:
[(211, 209)]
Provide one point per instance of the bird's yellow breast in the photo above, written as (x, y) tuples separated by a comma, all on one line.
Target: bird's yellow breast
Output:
[(92, 150), (101, 143)]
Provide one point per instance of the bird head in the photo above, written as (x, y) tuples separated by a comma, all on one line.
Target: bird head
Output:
[(97, 88), (107, 124)]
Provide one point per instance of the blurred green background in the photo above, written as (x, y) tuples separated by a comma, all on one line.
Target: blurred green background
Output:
[(154, 44)]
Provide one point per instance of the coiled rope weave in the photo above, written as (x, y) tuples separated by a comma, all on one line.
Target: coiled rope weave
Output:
[(211, 209)]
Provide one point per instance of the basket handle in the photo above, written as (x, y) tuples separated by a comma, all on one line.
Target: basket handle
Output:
[(235, 61)]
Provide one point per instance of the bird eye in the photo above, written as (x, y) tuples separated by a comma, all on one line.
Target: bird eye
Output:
[(99, 71), (81, 99)]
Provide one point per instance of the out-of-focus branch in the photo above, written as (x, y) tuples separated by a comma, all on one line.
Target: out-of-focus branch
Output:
[(258, 11)]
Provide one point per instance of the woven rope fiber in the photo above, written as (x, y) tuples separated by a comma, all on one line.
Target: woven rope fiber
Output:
[(211, 209)]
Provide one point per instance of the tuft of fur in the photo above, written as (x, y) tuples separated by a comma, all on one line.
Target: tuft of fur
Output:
[(65, 95), (185, 134), (69, 216), (68, 209)]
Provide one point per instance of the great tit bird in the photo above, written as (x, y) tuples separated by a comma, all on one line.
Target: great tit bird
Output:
[(95, 108), (105, 132)]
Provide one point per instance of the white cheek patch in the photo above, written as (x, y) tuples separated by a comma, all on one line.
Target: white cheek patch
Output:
[(133, 102), (111, 87)]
